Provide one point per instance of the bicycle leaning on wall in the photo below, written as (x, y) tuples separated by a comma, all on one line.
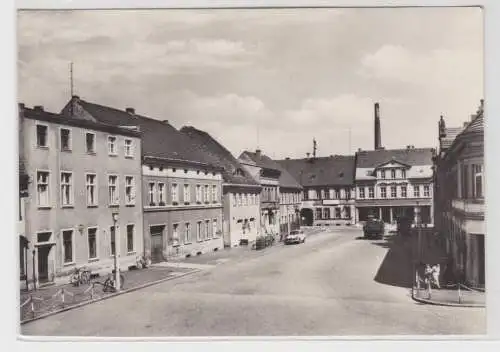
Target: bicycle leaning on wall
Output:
[(110, 283)]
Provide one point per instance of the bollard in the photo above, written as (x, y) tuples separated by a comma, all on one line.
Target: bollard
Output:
[(32, 306), (459, 295), (62, 297)]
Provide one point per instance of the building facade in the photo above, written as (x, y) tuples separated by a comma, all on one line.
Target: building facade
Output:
[(267, 174), (182, 190), (80, 173), (392, 184), (328, 189), (460, 206)]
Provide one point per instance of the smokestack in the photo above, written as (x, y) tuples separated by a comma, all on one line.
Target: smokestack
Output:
[(378, 144)]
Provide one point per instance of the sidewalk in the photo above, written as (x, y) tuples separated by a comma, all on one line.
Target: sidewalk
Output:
[(51, 299), (451, 297)]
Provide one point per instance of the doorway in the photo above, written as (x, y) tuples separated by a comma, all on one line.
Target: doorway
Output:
[(307, 216), (157, 243), (43, 263)]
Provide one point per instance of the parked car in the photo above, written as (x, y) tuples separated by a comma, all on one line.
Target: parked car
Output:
[(373, 228), (296, 236)]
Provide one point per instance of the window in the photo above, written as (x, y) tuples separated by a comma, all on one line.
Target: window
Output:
[(92, 242), (394, 193), (66, 189), (338, 213), (68, 246), (130, 238), (151, 193), (426, 191), (477, 172), (198, 194), (214, 193), (371, 192), (90, 142), (65, 135), (91, 186), (175, 234), (342, 193), (403, 173), (337, 194), (114, 197), (322, 194), (129, 190), (112, 239), (187, 233), (361, 192), (393, 173), (416, 191), (235, 201), (239, 199), (244, 199), (326, 213), (383, 192), (187, 194), (42, 187), (42, 136), (175, 195), (161, 194), (112, 145), (403, 191), (206, 194), (198, 231), (319, 213), (382, 174), (311, 194), (347, 211), (214, 227), (208, 234), (129, 148)]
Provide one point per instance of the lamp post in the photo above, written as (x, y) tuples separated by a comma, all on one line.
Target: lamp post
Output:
[(117, 254)]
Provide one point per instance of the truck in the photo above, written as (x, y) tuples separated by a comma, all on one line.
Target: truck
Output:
[(373, 228)]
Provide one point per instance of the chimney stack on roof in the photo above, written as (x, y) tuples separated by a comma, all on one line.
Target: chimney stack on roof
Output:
[(467, 123), (38, 108), (258, 153), (378, 142), (165, 122), (21, 106), (131, 111), (308, 154), (287, 158)]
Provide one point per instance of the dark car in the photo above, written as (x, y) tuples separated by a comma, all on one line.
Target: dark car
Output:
[(373, 228)]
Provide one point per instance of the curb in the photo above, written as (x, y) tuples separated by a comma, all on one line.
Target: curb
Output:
[(444, 304), (132, 289)]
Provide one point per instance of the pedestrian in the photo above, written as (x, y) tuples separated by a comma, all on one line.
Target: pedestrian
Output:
[(436, 270), (428, 277)]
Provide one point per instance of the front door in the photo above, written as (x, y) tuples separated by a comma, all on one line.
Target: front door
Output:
[(43, 263), (157, 244)]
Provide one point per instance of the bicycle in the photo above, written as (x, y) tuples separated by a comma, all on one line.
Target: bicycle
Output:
[(80, 276), (110, 285)]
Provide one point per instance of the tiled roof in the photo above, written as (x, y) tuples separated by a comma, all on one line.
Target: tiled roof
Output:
[(334, 170), (160, 139), (451, 134), (61, 119), (476, 125), (408, 156), (233, 171), (286, 180)]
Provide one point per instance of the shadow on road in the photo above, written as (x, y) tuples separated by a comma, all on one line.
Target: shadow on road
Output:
[(396, 268)]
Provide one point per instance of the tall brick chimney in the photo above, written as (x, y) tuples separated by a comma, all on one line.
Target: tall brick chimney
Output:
[(378, 142)]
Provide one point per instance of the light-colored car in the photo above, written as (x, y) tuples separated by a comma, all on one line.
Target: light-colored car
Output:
[(295, 236)]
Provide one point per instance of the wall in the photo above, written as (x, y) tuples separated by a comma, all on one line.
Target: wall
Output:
[(235, 212), (56, 218)]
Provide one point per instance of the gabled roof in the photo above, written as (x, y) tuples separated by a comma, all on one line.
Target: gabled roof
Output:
[(160, 139), (286, 180), (393, 160), (335, 170), (408, 156), (233, 171)]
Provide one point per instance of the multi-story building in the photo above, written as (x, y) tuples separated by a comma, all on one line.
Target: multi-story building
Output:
[(394, 183), (182, 191), (241, 193), (79, 173), (459, 199), (267, 174), (328, 189), (290, 197)]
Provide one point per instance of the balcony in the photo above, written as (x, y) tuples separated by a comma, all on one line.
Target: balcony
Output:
[(475, 206)]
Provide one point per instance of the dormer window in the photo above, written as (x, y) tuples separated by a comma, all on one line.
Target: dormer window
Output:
[(403, 173), (393, 173), (382, 174)]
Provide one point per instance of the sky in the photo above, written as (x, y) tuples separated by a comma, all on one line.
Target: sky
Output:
[(272, 79)]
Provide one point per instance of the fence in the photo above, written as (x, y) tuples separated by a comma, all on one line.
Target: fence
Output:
[(34, 306)]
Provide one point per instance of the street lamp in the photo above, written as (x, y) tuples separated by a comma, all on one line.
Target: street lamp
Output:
[(117, 254)]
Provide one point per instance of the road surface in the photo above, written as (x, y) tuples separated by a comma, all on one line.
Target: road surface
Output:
[(334, 284)]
